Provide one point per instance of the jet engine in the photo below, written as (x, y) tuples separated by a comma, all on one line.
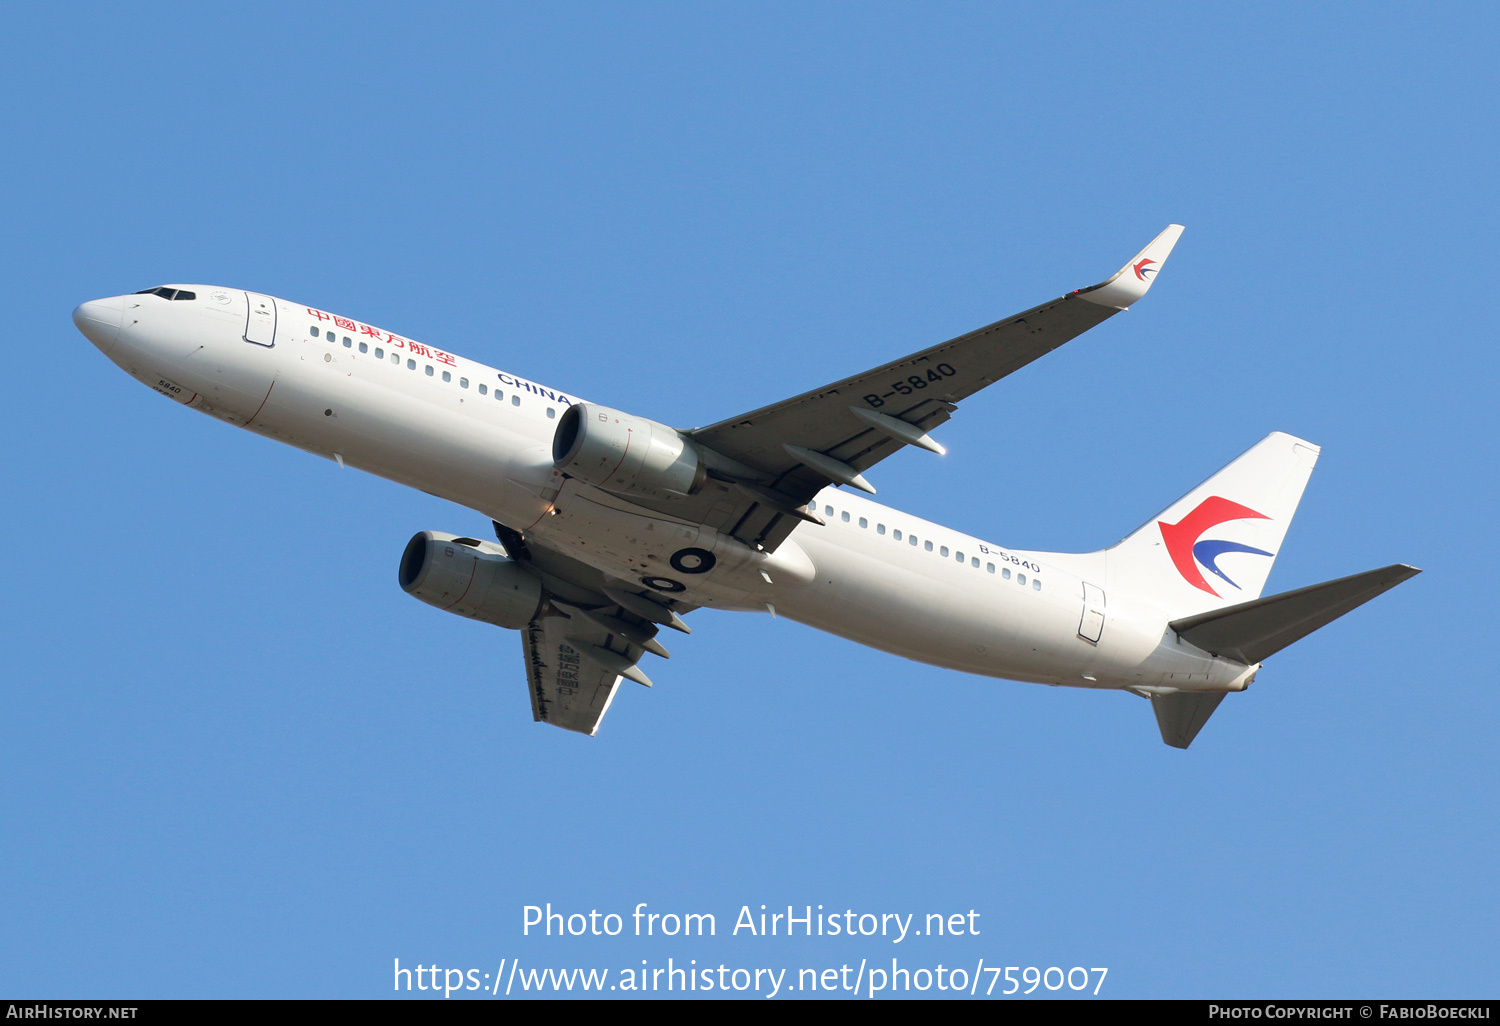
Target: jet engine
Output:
[(624, 454), (471, 578)]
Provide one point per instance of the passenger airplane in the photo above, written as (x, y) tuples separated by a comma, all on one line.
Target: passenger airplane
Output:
[(611, 525)]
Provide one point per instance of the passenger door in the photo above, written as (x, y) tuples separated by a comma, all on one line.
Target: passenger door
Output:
[(1091, 627), (260, 319)]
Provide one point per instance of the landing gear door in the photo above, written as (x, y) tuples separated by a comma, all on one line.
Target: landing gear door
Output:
[(1091, 627), (260, 320)]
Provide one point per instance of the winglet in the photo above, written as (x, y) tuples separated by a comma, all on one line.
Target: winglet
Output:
[(1131, 281)]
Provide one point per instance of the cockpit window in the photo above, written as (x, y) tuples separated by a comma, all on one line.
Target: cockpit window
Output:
[(167, 293)]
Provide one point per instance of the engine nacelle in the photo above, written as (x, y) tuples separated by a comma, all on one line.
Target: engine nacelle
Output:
[(630, 455), (469, 577)]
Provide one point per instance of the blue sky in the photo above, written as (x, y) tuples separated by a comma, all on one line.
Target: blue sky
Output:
[(238, 761)]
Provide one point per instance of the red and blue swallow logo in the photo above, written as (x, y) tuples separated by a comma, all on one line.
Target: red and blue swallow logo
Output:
[(1188, 552), (1141, 270)]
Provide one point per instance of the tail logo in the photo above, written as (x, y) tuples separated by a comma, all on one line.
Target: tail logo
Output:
[(1188, 552), (1141, 270)]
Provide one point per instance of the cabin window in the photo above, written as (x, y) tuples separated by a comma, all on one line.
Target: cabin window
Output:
[(880, 529), (896, 534), (484, 389), (927, 546), (1036, 585), (974, 562), (515, 400), (990, 567), (1021, 580), (396, 359), (863, 522), (551, 413), (1005, 573), (429, 370), (348, 343), (410, 364), (314, 331), (446, 375), (844, 516), (364, 347), (911, 538), (828, 511), (959, 556), (463, 382), (944, 551)]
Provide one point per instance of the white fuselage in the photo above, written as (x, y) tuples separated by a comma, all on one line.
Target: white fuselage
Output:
[(482, 438)]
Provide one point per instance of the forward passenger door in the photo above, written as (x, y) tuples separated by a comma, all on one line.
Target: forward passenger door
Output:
[(260, 319)]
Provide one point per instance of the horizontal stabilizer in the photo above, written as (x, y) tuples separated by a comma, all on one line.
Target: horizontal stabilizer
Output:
[(1252, 631), (1182, 715)]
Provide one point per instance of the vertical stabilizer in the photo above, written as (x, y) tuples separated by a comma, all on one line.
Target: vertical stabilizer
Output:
[(1215, 546)]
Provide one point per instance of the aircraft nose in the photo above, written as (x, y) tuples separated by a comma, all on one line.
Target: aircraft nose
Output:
[(100, 319)]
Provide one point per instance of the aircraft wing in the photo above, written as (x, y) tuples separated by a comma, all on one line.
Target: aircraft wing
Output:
[(567, 689), (832, 434), (589, 635)]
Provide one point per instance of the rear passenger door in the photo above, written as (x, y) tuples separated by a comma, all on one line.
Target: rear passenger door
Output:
[(1091, 627)]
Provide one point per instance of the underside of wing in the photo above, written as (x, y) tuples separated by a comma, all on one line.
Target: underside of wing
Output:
[(832, 434), (567, 689), (921, 389), (590, 633)]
